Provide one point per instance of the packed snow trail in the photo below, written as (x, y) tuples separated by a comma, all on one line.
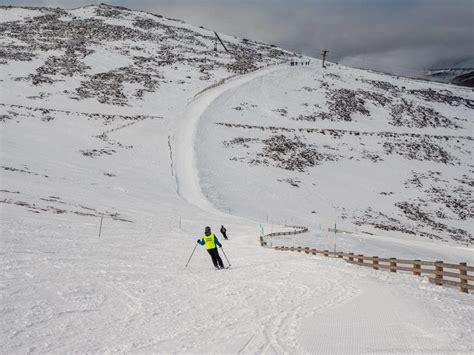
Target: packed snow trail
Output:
[(130, 293), (297, 316), (184, 139)]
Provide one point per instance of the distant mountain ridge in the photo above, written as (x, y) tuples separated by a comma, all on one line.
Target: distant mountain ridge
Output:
[(457, 76)]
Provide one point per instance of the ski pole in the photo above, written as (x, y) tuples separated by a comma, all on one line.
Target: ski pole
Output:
[(191, 254), (225, 256)]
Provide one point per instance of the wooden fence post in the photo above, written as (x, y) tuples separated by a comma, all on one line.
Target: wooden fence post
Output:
[(326, 253), (375, 262), (417, 268), (393, 264), (463, 282), (339, 255), (306, 250), (351, 256), (314, 252), (439, 272), (360, 259)]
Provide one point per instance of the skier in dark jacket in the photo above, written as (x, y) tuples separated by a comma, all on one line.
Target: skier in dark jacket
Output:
[(223, 232), (211, 242)]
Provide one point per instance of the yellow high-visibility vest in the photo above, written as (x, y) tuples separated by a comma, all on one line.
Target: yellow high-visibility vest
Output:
[(210, 241)]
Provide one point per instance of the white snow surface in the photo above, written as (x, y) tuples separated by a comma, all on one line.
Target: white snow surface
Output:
[(346, 189), (158, 172)]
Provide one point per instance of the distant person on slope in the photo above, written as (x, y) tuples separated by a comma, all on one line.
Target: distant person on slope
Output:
[(223, 232), (211, 242)]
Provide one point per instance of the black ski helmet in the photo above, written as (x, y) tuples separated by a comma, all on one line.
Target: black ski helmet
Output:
[(207, 230)]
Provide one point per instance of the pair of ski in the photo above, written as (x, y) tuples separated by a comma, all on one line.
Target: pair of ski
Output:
[(222, 268)]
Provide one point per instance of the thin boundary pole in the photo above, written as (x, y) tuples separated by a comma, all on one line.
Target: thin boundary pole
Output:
[(100, 228)]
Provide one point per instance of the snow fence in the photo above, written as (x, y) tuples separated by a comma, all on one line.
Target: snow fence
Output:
[(439, 272)]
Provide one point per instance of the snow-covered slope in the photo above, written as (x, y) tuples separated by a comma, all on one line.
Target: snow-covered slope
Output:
[(134, 117), (378, 154)]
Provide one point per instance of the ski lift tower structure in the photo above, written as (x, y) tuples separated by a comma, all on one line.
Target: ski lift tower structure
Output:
[(324, 54), (222, 43)]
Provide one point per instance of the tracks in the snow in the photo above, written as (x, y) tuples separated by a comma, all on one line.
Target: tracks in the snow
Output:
[(184, 139)]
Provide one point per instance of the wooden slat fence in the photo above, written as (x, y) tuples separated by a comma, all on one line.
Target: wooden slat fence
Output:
[(440, 273)]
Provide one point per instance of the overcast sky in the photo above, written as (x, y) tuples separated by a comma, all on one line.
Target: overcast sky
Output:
[(398, 36)]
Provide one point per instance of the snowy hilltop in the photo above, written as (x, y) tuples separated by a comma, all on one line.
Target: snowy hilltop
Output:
[(124, 133)]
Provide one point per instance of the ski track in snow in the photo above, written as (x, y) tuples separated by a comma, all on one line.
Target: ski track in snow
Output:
[(186, 171), (281, 331)]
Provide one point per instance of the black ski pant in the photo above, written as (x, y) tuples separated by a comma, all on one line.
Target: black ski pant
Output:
[(224, 234), (216, 259)]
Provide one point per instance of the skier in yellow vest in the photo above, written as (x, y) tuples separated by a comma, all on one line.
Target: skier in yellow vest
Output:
[(211, 242)]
